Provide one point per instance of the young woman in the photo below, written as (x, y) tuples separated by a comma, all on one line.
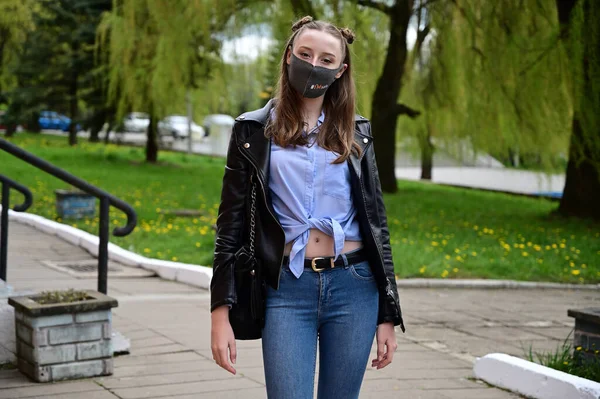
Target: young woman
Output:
[(321, 227)]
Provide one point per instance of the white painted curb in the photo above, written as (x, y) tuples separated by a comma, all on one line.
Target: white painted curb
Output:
[(533, 380), (195, 275)]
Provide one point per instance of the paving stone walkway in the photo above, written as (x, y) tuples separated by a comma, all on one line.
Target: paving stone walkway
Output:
[(169, 327)]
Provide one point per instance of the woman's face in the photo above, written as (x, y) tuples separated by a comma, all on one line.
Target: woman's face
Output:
[(320, 49)]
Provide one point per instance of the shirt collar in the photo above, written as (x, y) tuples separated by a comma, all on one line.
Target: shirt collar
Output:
[(319, 123)]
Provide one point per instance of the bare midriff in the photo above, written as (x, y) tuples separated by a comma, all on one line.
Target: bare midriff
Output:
[(321, 244)]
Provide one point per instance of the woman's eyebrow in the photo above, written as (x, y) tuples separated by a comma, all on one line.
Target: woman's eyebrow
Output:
[(309, 49)]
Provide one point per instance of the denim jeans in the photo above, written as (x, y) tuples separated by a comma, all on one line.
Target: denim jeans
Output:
[(339, 308)]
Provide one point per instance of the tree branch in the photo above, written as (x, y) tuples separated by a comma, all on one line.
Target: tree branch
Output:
[(402, 109), (376, 5)]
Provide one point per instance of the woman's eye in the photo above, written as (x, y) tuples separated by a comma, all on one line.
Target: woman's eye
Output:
[(327, 61), (305, 55)]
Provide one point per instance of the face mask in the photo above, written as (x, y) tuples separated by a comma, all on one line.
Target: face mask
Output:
[(308, 80)]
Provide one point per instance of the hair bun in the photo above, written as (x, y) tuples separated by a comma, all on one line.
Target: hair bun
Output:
[(300, 23), (348, 35)]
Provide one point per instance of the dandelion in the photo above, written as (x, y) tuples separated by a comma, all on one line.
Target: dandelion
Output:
[(457, 250), (537, 248), (575, 272), (583, 266), (554, 246), (562, 245), (422, 269), (566, 363), (174, 258), (445, 273), (459, 258), (455, 270), (434, 244), (578, 348), (198, 245), (448, 257), (540, 261), (525, 253), (473, 253), (147, 250), (548, 247)]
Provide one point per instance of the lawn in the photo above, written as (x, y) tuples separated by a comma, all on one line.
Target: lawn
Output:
[(436, 231)]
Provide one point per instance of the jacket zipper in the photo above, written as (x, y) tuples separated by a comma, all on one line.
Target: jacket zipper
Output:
[(268, 210)]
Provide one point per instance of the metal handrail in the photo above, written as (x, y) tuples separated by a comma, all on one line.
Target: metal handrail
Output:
[(7, 184), (106, 200)]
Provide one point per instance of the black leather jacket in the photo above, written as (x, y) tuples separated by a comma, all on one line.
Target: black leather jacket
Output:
[(249, 150)]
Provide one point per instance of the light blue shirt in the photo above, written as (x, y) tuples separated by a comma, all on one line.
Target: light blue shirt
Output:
[(308, 192)]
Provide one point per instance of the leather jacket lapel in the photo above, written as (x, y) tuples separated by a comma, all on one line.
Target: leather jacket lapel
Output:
[(364, 141)]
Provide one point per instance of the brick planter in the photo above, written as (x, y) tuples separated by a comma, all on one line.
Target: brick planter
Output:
[(587, 333), (64, 340)]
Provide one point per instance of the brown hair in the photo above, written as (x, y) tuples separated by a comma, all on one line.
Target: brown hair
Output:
[(337, 132)]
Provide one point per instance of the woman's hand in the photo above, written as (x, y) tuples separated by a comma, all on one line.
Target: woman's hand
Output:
[(386, 345), (222, 339)]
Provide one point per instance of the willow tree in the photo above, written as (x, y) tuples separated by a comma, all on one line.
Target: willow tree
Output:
[(385, 105), (499, 80), (580, 31), (16, 21), (156, 50)]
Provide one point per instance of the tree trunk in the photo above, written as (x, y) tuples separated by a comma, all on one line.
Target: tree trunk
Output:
[(385, 110), (73, 110), (94, 134), (151, 143), (11, 128), (581, 195), (426, 157)]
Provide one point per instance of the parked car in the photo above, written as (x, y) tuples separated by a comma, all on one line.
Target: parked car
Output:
[(54, 121), (136, 122), (176, 126)]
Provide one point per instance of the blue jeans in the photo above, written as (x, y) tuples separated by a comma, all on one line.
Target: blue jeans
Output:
[(339, 307)]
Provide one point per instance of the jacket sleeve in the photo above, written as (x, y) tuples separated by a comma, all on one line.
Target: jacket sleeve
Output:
[(389, 304), (230, 224)]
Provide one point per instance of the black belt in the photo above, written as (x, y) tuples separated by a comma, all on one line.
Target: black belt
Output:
[(326, 262)]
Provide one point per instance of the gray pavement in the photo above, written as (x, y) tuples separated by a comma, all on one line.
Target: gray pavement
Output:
[(169, 327)]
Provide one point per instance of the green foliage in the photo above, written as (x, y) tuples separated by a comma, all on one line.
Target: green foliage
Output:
[(159, 49), (495, 78), (65, 296), (568, 359), (16, 20), (583, 47)]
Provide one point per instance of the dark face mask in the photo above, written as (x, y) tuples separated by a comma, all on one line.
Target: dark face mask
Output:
[(309, 80)]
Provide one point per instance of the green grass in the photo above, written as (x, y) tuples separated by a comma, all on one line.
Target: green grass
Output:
[(565, 359), (436, 231)]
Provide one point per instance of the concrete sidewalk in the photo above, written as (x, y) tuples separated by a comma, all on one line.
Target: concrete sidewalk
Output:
[(169, 326)]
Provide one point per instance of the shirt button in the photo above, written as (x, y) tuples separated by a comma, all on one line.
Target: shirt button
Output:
[(246, 145), (365, 140)]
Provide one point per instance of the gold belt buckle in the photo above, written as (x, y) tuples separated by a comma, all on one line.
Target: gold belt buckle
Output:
[(319, 269)]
